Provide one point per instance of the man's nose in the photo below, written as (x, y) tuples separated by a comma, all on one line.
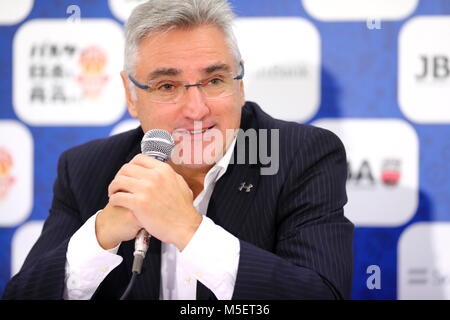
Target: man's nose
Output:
[(194, 103)]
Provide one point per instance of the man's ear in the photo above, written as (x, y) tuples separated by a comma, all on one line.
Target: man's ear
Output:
[(131, 103)]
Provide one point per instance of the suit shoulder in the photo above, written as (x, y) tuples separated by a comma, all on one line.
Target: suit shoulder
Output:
[(292, 134), (116, 145)]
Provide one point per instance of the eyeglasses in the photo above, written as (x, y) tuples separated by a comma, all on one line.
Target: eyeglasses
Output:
[(217, 86)]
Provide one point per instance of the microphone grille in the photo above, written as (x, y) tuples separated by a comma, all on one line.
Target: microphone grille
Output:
[(158, 144)]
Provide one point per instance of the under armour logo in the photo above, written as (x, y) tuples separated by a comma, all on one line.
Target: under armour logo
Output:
[(245, 186)]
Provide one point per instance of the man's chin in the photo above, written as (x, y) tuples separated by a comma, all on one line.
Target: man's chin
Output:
[(197, 163)]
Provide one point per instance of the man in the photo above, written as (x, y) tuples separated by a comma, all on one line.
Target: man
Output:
[(219, 229)]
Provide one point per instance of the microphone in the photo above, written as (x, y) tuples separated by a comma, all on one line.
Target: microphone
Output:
[(157, 144)]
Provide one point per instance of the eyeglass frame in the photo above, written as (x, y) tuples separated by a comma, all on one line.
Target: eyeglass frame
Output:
[(187, 86)]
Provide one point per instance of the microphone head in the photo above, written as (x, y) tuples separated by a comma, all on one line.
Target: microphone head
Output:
[(157, 144)]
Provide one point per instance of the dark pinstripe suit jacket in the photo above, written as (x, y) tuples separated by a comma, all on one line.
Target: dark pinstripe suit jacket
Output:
[(295, 241)]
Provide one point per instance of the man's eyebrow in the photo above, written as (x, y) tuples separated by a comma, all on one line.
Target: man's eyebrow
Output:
[(175, 72), (163, 72), (217, 67)]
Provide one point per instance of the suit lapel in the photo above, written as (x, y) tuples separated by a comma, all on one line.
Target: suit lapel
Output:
[(229, 203)]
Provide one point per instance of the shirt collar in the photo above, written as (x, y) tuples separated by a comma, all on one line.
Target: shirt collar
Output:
[(221, 166)]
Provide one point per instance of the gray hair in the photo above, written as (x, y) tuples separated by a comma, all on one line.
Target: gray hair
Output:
[(165, 15)]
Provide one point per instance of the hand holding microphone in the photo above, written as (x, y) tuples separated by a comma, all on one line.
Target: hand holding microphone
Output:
[(116, 223), (157, 144), (148, 194)]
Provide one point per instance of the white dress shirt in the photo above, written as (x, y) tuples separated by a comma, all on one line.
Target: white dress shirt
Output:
[(211, 256)]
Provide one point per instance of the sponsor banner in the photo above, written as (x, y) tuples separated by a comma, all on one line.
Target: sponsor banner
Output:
[(13, 12), (383, 160), (67, 73), (125, 125), (359, 10), (424, 262), (22, 242), (424, 69), (282, 69), (16, 173)]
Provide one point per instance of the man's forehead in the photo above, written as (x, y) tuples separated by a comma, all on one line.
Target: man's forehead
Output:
[(174, 71)]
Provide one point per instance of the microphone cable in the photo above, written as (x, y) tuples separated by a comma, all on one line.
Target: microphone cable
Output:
[(129, 287)]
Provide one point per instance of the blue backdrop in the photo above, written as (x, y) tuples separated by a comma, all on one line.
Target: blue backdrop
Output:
[(358, 80)]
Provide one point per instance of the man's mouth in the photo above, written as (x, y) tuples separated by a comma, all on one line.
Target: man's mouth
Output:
[(194, 132)]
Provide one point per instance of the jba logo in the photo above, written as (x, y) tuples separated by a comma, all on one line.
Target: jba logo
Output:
[(433, 68), (362, 174), (390, 172)]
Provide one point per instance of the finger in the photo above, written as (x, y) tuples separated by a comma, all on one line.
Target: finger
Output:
[(148, 162), (123, 199), (123, 184), (156, 170), (134, 171)]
